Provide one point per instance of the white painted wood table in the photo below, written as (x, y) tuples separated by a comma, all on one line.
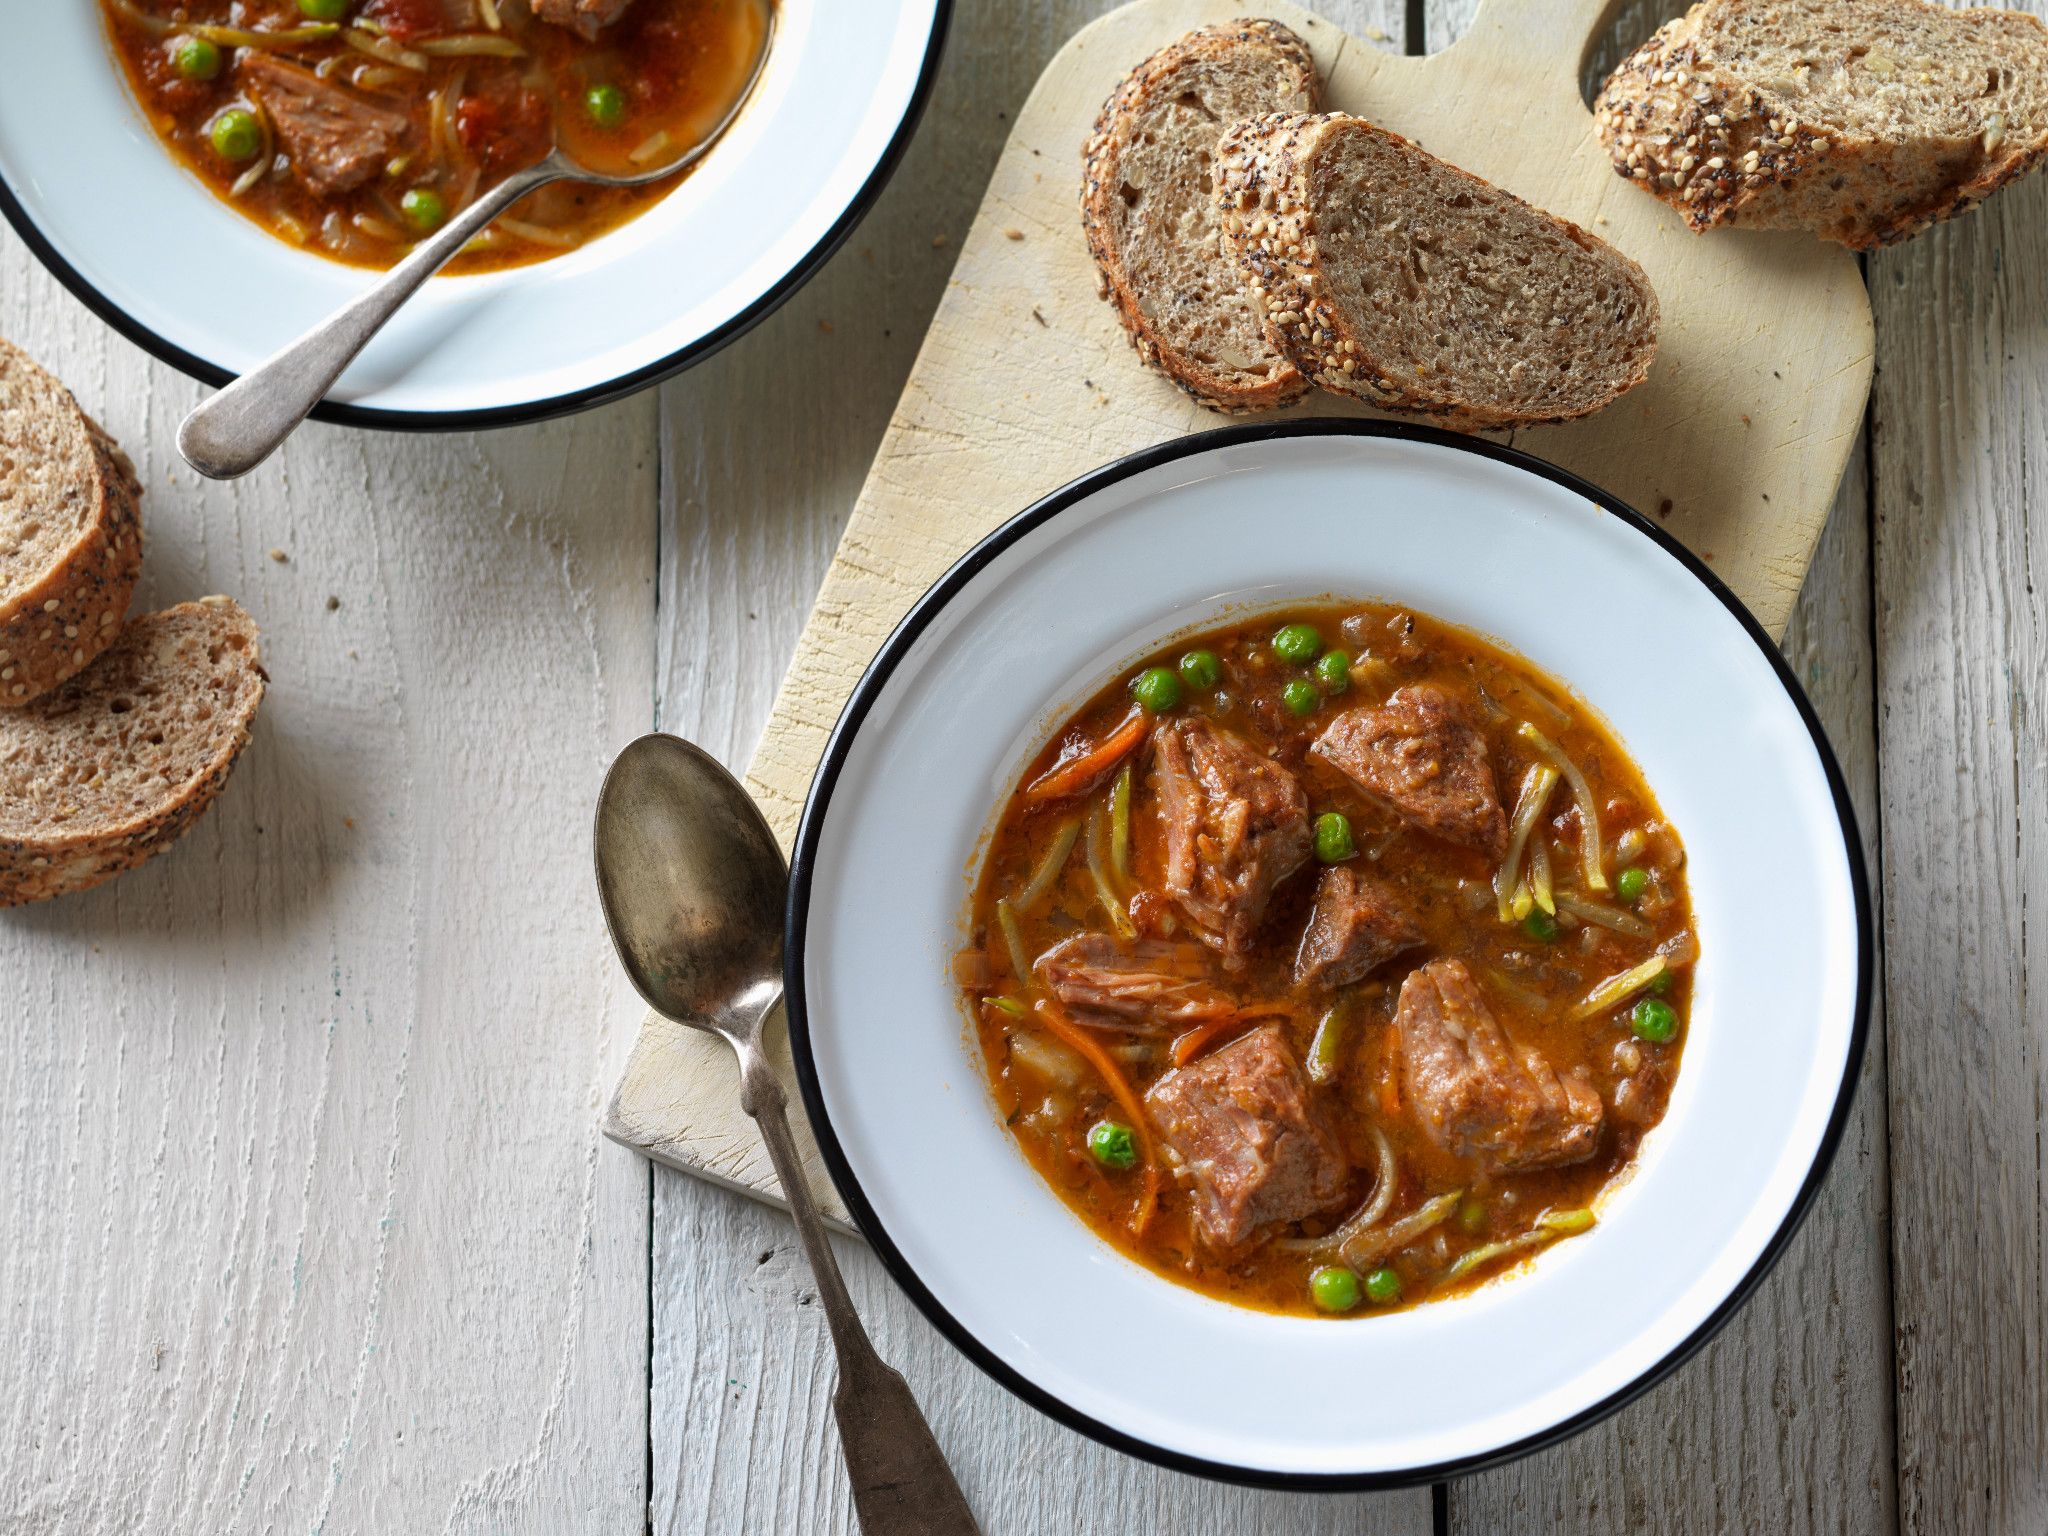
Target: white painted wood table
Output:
[(306, 1226)]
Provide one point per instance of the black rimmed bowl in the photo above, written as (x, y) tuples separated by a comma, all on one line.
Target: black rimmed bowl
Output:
[(1059, 601), (152, 251)]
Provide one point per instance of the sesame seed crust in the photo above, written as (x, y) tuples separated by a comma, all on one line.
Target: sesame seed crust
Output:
[(1102, 178), (1264, 181), (53, 626), (1722, 150)]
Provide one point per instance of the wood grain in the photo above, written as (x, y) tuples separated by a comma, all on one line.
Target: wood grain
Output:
[(307, 1225), (766, 448), (1961, 461)]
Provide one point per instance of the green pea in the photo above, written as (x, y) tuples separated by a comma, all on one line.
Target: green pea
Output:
[(1301, 696), (1298, 643), (1653, 1020), (606, 105), (1111, 1144), (1334, 1288), (1200, 670), (1659, 984), (424, 209), (1334, 668), (323, 10), (1630, 884), (1383, 1286), (1539, 924), (1334, 843), (195, 58), (1157, 689), (235, 135)]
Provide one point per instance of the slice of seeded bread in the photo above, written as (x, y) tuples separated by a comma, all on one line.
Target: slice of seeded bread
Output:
[(113, 767), (70, 532), (1387, 274), (1151, 222), (1862, 120)]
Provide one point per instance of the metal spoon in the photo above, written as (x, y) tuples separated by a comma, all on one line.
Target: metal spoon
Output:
[(693, 886), (232, 432)]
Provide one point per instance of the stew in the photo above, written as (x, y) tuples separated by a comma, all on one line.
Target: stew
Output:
[(354, 128), (1332, 961)]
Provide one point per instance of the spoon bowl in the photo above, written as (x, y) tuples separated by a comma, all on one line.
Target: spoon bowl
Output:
[(693, 883)]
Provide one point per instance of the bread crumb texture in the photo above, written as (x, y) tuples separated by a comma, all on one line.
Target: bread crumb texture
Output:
[(70, 533), (1148, 210), (115, 765), (1864, 121)]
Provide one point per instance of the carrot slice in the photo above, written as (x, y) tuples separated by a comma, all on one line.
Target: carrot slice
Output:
[(1080, 773), (1197, 1040), (1055, 1018)]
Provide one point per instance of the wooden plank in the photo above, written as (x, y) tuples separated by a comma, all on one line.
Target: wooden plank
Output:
[(766, 447), (307, 1225), (1961, 465), (1784, 1422)]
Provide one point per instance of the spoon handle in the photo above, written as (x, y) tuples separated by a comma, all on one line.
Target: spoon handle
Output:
[(901, 1483), (232, 432)]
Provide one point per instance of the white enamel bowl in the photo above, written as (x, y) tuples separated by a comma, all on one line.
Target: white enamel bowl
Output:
[(1069, 594), (155, 254)]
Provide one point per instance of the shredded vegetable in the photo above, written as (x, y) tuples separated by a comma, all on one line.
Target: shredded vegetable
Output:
[(1009, 1005), (1326, 1049), (245, 37), (1603, 916), (1013, 943), (1120, 824), (1582, 792), (1050, 868), (1537, 784), (1081, 772), (1539, 875), (1549, 1227), (1190, 1045), (1098, 871), (470, 45), (1374, 1244), (363, 40), (1616, 990)]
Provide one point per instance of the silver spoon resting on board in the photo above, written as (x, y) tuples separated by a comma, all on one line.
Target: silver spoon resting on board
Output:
[(231, 432), (693, 885)]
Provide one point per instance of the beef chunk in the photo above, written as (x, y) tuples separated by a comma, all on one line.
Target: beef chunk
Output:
[(1236, 826), (335, 138), (1357, 926), (587, 17), (1245, 1135), (1143, 985), (1420, 755), (1474, 1091)]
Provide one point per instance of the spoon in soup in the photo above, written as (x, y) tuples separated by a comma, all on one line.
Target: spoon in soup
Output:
[(232, 432), (693, 885)]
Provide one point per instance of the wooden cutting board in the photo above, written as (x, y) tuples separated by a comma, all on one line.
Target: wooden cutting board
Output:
[(1025, 381)]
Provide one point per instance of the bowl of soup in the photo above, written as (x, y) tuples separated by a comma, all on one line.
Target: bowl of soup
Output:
[(1328, 955), (255, 163)]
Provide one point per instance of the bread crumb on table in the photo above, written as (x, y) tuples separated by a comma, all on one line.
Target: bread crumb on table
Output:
[(279, 556), (1013, 233)]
